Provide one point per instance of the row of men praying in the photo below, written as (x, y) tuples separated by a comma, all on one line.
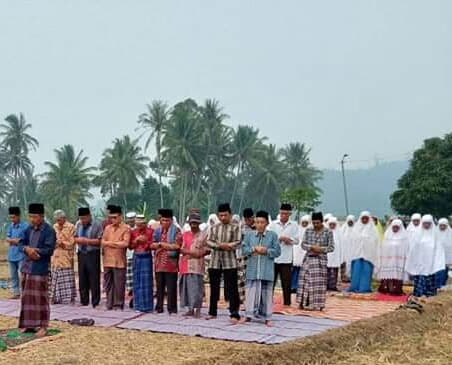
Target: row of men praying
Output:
[(249, 257)]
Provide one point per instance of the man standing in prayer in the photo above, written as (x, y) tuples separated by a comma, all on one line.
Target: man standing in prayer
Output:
[(247, 226), (392, 258), (38, 246), (299, 253), (167, 243), (223, 239), (261, 247), (141, 243), (288, 234), (317, 242), (14, 236), (335, 258), (191, 267), (62, 284), (115, 240), (364, 254), (445, 240), (88, 235), (425, 258)]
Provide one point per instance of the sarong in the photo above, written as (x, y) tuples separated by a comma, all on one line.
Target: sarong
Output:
[(313, 280), (241, 273), (191, 291), (35, 309), (62, 286), (362, 271), (143, 295), (259, 299), (424, 285), (129, 278)]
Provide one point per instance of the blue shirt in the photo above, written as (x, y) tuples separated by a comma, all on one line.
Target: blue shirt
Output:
[(16, 231), (92, 230), (261, 267), (43, 238)]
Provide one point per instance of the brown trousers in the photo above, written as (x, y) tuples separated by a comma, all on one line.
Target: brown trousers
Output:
[(115, 287)]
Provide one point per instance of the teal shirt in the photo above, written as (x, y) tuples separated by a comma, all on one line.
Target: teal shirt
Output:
[(261, 267)]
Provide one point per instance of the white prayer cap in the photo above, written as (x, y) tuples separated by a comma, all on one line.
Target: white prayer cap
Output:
[(131, 215), (443, 221), (416, 216)]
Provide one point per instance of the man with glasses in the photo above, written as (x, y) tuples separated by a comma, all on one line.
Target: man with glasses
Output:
[(115, 240)]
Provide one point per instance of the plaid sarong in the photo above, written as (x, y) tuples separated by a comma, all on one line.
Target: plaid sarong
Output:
[(313, 281), (62, 286), (259, 299), (129, 277), (143, 296), (35, 309), (241, 274), (191, 291), (424, 285)]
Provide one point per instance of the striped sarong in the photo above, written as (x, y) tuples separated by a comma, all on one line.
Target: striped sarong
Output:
[(259, 299), (143, 281), (313, 281), (129, 277), (191, 291), (35, 309), (62, 286)]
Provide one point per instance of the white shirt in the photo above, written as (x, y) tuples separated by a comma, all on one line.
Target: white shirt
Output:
[(291, 230)]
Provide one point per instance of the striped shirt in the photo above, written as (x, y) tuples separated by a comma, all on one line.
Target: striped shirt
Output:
[(223, 233), (324, 239)]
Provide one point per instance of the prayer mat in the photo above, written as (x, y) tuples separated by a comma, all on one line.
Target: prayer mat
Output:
[(10, 338)]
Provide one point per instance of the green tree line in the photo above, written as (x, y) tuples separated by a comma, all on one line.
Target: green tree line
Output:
[(183, 156)]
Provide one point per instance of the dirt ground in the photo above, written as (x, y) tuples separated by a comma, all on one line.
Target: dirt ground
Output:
[(401, 337)]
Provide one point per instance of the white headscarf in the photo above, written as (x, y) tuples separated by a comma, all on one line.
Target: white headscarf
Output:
[(298, 252), (348, 236), (213, 219), (445, 239), (366, 243), (411, 227), (392, 253), (426, 256), (335, 258)]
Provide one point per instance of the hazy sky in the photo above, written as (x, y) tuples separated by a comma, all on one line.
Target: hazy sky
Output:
[(363, 77)]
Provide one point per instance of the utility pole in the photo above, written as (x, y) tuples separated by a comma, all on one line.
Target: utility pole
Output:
[(344, 183)]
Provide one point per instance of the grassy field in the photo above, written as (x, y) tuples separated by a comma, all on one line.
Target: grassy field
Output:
[(401, 337)]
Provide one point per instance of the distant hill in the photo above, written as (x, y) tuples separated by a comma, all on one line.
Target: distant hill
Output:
[(368, 189)]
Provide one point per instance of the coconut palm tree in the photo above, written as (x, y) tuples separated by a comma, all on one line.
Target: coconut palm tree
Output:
[(17, 143), (122, 169), (183, 150), (246, 147), (300, 172), (154, 122), (66, 185)]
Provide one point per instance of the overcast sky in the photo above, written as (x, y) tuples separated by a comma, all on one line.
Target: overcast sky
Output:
[(363, 77)]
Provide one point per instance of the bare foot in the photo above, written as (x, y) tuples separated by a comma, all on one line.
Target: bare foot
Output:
[(234, 321), (208, 318), (245, 320), (269, 323), (41, 333)]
